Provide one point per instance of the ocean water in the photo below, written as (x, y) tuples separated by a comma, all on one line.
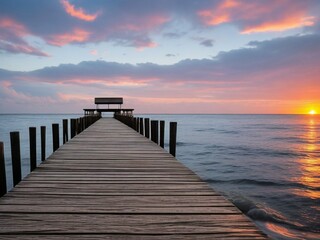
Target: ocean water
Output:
[(267, 165)]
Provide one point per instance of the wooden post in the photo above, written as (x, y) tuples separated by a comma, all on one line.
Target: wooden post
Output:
[(79, 126), (173, 138), (43, 143), (154, 131), (16, 157), (138, 124), (73, 127), (65, 130), (147, 127), (33, 148), (83, 123), (162, 134), (55, 136), (134, 123), (141, 126), (3, 178)]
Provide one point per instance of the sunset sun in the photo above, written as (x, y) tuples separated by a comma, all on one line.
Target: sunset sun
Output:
[(312, 112)]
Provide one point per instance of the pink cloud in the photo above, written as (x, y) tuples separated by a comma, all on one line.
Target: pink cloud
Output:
[(15, 96), (78, 13), (94, 52), (69, 97), (76, 36), (256, 16), (14, 27), (12, 35)]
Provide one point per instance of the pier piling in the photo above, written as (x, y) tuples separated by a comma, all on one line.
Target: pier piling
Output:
[(15, 157), (3, 179), (55, 136), (33, 148), (173, 138), (65, 130), (154, 131)]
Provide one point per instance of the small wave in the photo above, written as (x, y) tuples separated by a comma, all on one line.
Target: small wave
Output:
[(216, 130), (262, 213), (186, 144), (205, 130), (279, 127), (256, 182), (209, 163), (203, 153), (250, 151), (290, 139)]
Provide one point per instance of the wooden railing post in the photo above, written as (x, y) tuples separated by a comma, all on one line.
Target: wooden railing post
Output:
[(33, 148), (16, 157), (43, 143), (173, 138), (141, 126), (162, 134), (135, 123), (147, 127), (79, 129), (138, 124), (65, 130), (83, 123), (73, 127), (3, 178), (55, 136), (154, 131)]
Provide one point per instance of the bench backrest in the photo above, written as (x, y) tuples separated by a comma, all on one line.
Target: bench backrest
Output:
[(108, 100)]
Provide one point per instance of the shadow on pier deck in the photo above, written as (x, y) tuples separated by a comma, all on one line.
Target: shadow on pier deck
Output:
[(110, 182)]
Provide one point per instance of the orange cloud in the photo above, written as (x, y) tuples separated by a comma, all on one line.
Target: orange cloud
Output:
[(76, 36), (78, 13), (287, 23), (252, 16), (221, 14)]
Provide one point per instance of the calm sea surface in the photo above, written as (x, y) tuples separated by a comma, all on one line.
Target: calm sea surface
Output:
[(267, 165)]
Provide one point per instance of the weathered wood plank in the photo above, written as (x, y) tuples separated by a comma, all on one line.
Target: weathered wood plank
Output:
[(93, 236), (124, 223)]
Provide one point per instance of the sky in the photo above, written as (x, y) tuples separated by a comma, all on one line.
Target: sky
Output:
[(168, 56)]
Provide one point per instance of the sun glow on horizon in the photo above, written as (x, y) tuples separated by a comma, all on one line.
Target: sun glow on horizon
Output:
[(312, 112)]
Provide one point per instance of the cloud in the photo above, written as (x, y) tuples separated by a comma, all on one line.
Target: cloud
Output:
[(242, 66), (78, 13), (174, 35), (259, 16), (12, 35), (94, 52), (74, 36), (60, 23), (207, 43)]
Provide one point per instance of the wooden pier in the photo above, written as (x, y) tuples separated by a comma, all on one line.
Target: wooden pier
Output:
[(110, 182)]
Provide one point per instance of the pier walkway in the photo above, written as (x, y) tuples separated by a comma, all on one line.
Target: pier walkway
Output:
[(110, 182)]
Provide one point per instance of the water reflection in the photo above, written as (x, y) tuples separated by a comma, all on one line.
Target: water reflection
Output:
[(310, 166), (276, 228)]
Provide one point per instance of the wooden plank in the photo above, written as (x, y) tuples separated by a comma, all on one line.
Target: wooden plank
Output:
[(124, 223), (93, 236), (110, 182)]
